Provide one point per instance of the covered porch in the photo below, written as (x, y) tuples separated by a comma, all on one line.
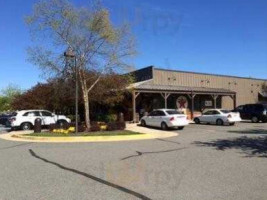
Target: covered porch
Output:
[(146, 97)]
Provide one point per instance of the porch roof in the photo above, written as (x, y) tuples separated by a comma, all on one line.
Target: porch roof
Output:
[(150, 87)]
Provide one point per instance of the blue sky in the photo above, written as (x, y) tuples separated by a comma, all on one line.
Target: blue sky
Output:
[(213, 36)]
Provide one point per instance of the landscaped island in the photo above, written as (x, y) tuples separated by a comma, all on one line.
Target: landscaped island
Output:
[(98, 133)]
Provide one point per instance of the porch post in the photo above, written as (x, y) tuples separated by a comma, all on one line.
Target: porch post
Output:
[(165, 96), (192, 97), (133, 101), (234, 100), (193, 106), (215, 100)]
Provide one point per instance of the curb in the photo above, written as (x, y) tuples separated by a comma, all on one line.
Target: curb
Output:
[(148, 134), (19, 137)]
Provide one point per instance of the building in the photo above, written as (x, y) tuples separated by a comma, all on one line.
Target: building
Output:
[(194, 92)]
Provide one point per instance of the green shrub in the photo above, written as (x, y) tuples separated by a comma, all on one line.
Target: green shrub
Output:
[(114, 126), (112, 118), (94, 127)]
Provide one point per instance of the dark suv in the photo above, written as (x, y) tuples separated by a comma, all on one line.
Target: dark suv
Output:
[(253, 112)]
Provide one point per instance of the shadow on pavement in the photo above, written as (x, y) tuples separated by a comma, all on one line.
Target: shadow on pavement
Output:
[(138, 153), (249, 131), (123, 189), (164, 140), (251, 146), (157, 128), (152, 152)]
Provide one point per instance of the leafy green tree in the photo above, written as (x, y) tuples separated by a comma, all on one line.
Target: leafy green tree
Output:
[(99, 46), (8, 95), (4, 104)]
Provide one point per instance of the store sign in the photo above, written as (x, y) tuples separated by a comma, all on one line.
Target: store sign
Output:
[(208, 103), (182, 102)]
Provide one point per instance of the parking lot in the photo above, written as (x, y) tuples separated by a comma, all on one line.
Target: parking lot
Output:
[(3, 129), (204, 162)]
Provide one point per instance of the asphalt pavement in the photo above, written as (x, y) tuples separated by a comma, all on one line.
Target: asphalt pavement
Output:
[(203, 162), (3, 129)]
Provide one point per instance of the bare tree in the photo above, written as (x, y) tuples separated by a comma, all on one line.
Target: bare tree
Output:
[(99, 46)]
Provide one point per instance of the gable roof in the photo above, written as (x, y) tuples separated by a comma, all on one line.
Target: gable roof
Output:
[(201, 73)]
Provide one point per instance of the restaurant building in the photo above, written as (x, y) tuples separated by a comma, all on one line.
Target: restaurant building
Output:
[(193, 92)]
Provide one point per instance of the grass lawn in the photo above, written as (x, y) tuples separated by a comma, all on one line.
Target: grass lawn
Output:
[(100, 133)]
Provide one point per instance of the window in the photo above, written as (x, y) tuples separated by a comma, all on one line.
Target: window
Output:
[(46, 114), (35, 114), (258, 108), (248, 108), (210, 112), (160, 113), (215, 112), (153, 113), (26, 114), (225, 111), (240, 108), (174, 112), (14, 114)]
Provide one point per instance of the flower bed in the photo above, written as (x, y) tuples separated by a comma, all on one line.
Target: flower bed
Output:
[(95, 127), (98, 133)]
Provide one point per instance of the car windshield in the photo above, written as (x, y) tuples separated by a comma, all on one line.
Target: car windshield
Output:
[(174, 112), (225, 111)]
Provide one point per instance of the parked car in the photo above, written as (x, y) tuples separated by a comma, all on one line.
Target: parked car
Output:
[(25, 119), (253, 112), (218, 116), (165, 118), (4, 119)]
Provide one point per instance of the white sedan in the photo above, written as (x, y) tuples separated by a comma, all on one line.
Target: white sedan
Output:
[(218, 116), (165, 118)]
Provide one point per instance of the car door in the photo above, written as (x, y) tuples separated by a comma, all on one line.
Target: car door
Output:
[(150, 118), (31, 117), (159, 118), (248, 112), (215, 115), (47, 118), (258, 110), (206, 116)]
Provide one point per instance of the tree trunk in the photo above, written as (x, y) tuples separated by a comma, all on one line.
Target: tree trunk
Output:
[(87, 110), (86, 104)]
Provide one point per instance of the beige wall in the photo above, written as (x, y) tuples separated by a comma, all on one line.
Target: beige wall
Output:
[(247, 89)]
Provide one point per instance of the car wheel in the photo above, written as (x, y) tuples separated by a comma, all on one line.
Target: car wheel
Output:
[(143, 123), (197, 121), (26, 126), (219, 122), (61, 123), (180, 127), (255, 119), (164, 126)]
